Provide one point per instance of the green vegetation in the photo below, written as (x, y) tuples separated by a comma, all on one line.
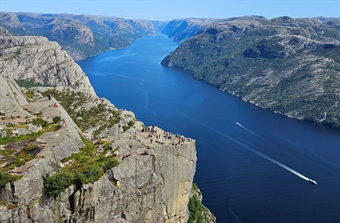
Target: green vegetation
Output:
[(258, 65), (106, 144), (195, 209), (26, 147), (28, 83), (130, 124), (29, 137), (40, 122), (29, 95), (98, 115), (20, 159), (56, 119), (46, 127), (86, 167), (6, 178), (198, 213), (25, 151)]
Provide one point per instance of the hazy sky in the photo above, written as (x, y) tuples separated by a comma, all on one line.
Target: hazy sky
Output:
[(172, 9)]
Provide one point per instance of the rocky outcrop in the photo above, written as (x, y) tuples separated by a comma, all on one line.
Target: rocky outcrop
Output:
[(11, 100), (40, 60), (140, 188), (152, 183)]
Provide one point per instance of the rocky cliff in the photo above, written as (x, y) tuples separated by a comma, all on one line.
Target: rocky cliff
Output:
[(290, 66), (68, 156), (80, 35), (39, 60), (152, 182)]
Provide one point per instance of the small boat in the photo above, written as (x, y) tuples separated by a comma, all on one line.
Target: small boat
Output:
[(312, 181)]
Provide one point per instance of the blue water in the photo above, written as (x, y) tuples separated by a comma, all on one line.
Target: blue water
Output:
[(238, 182)]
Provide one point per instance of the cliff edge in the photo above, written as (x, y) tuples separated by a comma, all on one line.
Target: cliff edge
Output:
[(68, 156), (151, 183)]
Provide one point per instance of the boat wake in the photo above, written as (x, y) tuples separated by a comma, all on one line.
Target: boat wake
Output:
[(251, 150), (276, 162), (236, 217), (246, 129)]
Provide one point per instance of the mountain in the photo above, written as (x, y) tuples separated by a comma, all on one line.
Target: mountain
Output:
[(80, 35), (183, 29), (290, 66)]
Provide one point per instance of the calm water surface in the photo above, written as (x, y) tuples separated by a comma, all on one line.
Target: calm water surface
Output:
[(242, 169)]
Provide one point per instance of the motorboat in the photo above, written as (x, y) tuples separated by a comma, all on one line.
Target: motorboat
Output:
[(312, 181)]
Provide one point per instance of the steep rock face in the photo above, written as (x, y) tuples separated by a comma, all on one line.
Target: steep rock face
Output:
[(290, 66), (139, 189), (80, 35), (11, 100), (152, 183), (36, 58)]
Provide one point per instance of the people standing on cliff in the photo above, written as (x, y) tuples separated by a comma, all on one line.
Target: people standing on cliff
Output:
[(49, 97), (64, 123)]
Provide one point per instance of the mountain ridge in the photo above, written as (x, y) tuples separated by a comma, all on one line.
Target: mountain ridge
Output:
[(289, 66), (80, 35)]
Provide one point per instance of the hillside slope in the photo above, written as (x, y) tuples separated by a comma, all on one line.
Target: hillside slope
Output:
[(290, 66), (80, 35), (41, 61), (183, 29)]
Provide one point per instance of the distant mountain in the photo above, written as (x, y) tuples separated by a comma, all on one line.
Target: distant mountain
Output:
[(290, 66), (80, 35), (183, 29)]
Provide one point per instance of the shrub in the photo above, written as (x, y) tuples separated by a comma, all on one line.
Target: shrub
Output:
[(58, 182), (30, 147), (56, 119), (39, 121), (85, 168), (6, 178), (195, 210), (130, 124), (89, 174)]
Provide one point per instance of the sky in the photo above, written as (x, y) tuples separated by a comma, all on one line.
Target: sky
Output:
[(178, 9)]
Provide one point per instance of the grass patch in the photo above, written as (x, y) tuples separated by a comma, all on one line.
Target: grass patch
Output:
[(28, 149), (28, 83), (127, 127), (99, 115), (30, 137), (6, 178), (86, 167)]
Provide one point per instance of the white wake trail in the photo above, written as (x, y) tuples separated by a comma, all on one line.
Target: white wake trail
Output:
[(246, 129), (281, 165), (272, 160)]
